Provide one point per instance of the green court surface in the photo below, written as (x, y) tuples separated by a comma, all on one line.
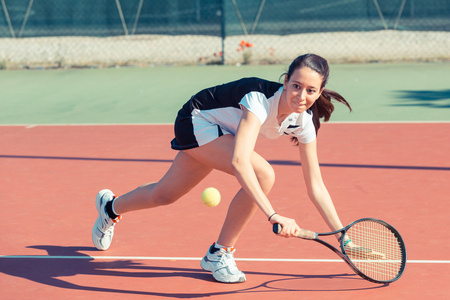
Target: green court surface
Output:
[(377, 92)]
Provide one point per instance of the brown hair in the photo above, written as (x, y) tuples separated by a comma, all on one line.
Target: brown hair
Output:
[(322, 108)]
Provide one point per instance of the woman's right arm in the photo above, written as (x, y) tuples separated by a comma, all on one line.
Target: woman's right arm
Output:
[(245, 141)]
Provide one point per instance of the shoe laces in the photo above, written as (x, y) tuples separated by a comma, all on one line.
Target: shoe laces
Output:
[(109, 223), (227, 257)]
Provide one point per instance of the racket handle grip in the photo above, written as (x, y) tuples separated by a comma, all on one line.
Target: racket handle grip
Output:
[(304, 233)]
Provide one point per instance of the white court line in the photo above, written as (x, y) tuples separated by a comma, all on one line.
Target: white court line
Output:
[(83, 124), (199, 258)]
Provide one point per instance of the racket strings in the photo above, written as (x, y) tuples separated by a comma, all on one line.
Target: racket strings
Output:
[(374, 250)]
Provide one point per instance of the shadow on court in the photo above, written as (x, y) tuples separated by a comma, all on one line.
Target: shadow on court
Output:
[(51, 271), (273, 162), (432, 99)]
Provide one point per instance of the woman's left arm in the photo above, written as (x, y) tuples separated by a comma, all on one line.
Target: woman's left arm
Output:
[(317, 191)]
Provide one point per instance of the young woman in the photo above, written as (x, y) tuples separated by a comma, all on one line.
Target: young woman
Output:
[(217, 129)]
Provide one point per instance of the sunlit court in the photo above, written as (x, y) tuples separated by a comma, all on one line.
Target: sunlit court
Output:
[(90, 94)]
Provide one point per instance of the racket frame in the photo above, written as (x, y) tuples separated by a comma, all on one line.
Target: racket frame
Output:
[(310, 235)]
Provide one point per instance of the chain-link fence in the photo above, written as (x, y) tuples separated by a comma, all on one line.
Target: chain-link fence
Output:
[(57, 33)]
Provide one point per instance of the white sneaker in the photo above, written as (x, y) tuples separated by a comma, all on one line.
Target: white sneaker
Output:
[(103, 230), (221, 263)]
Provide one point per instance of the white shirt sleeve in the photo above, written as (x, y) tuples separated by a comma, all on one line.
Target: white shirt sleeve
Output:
[(256, 103)]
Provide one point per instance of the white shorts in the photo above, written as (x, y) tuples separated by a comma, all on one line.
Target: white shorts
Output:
[(193, 130)]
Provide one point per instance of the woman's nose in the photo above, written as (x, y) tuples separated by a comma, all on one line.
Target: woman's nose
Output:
[(302, 94)]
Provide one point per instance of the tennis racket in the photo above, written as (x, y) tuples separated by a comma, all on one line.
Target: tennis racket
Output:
[(372, 248)]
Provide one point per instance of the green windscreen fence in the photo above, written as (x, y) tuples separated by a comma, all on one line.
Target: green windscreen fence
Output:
[(211, 31)]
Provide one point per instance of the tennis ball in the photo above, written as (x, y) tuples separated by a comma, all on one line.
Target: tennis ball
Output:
[(211, 197)]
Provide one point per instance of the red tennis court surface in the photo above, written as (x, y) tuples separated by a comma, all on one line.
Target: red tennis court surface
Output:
[(50, 175)]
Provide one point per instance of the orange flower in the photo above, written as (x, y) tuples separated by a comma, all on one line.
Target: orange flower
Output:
[(249, 45), (242, 44)]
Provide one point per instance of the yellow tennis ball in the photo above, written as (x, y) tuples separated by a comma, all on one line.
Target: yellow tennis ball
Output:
[(211, 197)]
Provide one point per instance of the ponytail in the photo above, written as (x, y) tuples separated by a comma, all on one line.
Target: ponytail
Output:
[(323, 108)]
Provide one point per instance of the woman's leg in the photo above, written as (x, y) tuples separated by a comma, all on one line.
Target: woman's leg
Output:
[(217, 155), (184, 174)]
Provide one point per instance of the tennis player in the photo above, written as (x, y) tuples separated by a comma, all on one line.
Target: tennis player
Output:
[(217, 129)]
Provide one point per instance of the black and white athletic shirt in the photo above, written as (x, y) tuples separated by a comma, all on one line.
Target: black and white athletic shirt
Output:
[(216, 111)]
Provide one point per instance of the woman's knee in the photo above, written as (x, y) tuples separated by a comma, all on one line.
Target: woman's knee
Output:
[(160, 196), (165, 200), (266, 177)]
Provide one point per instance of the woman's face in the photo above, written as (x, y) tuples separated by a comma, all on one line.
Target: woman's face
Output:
[(302, 89)]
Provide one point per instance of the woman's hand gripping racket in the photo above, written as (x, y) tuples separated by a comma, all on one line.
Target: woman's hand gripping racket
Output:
[(372, 248)]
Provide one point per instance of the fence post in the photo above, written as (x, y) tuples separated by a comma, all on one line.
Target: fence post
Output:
[(8, 20), (223, 31)]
